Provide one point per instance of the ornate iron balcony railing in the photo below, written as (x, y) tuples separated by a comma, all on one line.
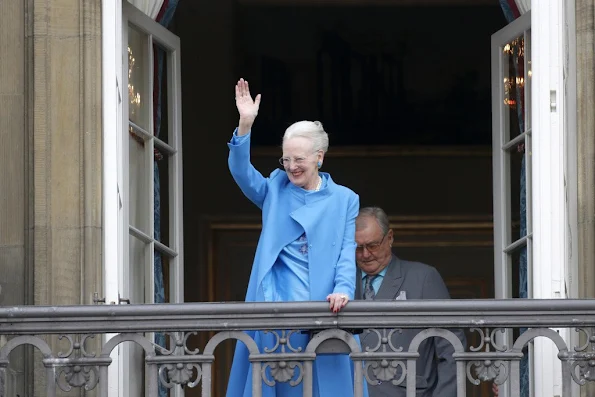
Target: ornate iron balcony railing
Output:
[(495, 356)]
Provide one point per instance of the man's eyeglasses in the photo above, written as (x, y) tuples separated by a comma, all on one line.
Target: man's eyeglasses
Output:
[(371, 247)]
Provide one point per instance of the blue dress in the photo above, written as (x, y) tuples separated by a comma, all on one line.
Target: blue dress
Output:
[(305, 252)]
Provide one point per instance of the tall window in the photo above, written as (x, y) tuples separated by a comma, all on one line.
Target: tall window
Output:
[(150, 178), (512, 151), (152, 175), (512, 156)]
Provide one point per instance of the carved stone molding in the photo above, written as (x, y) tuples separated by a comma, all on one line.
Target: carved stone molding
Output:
[(63, 156)]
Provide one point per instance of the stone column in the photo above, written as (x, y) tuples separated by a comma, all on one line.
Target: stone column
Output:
[(12, 154), (12, 174), (585, 64), (63, 121), (585, 88)]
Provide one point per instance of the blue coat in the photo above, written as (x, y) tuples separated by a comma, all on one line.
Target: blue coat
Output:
[(328, 218)]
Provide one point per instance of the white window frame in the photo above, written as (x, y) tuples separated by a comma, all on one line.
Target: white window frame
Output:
[(173, 149), (116, 15), (552, 198), (554, 177), (111, 71), (502, 147)]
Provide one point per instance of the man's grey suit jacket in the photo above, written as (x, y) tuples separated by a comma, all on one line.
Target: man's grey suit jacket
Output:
[(436, 368)]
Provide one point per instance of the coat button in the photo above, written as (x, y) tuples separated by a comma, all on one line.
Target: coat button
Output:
[(333, 243)]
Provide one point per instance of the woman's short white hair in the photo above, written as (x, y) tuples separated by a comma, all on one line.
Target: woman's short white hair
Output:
[(311, 130)]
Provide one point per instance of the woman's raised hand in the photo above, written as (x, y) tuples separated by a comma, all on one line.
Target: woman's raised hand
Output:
[(247, 108)]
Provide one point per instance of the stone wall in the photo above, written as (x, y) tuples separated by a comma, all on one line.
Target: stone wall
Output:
[(585, 64), (50, 156), (13, 276)]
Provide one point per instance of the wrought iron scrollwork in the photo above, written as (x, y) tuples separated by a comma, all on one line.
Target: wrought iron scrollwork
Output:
[(487, 340), (582, 362), (282, 341), (77, 376), (486, 371), (384, 369), (280, 367), (491, 367), (78, 373), (283, 371), (288, 359), (180, 374)]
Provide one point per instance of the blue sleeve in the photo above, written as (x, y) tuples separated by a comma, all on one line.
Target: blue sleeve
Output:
[(346, 268), (238, 140), (251, 182)]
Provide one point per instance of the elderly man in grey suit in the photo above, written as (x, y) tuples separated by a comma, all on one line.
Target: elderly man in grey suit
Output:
[(384, 276)]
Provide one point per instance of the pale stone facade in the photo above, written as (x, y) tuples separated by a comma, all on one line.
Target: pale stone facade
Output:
[(585, 48), (585, 88), (50, 124)]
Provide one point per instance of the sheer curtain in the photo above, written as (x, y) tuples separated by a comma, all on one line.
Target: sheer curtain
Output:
[(523, 5), (149, 7), (513, 9)]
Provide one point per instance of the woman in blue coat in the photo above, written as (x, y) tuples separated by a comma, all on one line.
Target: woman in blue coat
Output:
[(306, 250)]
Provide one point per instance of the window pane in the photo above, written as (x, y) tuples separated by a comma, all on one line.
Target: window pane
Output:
[(161, 87), (162, 190), (162, 262), (140, 173), (138, 78), (139, 266), (515, 260), (517, 181), (514, 82), (519, 270)]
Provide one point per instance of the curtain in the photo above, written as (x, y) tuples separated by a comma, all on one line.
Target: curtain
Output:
[(512, 9), (149, 7), (523, 5)]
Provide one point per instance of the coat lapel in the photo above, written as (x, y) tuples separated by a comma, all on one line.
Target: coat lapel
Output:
[(307, 215), (393, 280)]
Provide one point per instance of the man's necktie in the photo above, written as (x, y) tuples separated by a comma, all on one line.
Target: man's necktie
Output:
[(369, 293)]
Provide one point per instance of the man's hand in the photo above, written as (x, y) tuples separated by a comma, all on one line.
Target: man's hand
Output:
[(247, 108), (337, 301)]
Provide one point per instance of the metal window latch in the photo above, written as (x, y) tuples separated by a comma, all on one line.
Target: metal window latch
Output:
[(96, 299), (120, 300)]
